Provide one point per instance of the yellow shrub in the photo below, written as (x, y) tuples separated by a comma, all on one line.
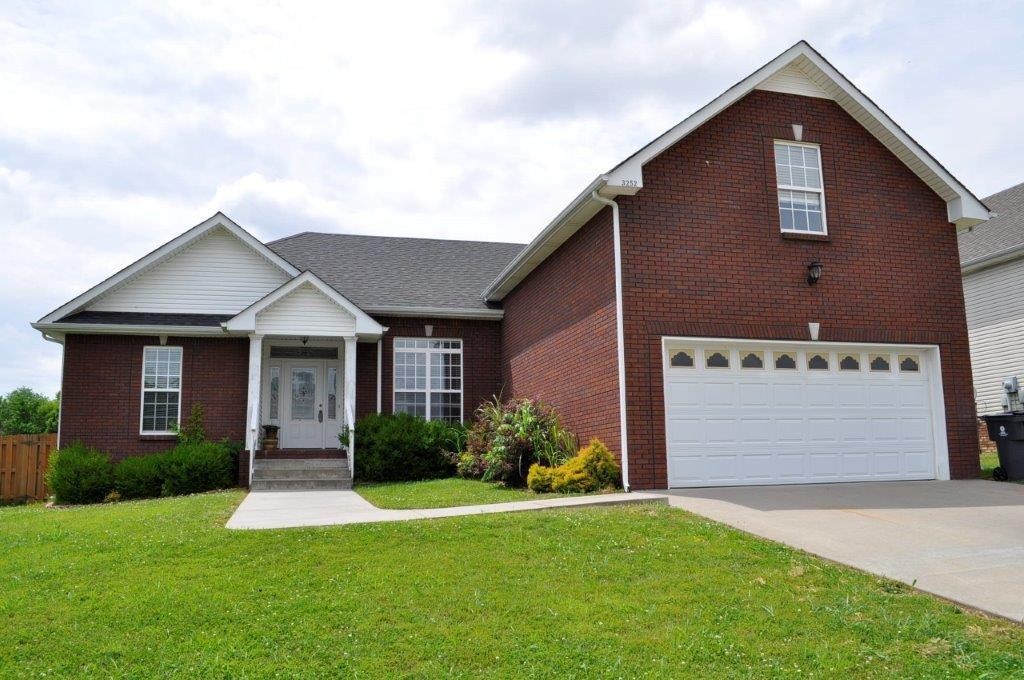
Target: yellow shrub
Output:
[(539, 479), (591, 469)]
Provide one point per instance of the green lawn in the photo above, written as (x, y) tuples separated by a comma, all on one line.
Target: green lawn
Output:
[(440, 493), (159, 588), (989, 462)]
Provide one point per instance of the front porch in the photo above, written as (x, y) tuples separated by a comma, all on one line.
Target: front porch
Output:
[(302, 381)]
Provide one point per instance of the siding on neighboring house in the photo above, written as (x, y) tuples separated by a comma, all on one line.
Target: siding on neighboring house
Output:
[(995, 325), (217, 274), (559, 341), (306, 308), (703, 256), (101, 390)]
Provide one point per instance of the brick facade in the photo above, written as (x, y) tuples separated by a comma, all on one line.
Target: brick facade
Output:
[(481, 360), (703, 256), (102, 380), (101, 390), (559, 334)]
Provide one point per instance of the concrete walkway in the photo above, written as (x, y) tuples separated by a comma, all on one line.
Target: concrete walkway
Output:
[(961, 540), (281, 509)]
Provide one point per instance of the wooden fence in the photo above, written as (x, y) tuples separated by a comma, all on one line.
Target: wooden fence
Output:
[(23, 459)]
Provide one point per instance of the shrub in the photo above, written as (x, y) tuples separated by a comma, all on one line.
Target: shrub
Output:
[(592, 469), (193, 432), (401, 447), (140, 476), (78, 474), (192, 468), (508, 437)]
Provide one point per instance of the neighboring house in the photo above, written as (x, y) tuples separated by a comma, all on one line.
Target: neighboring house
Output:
[(667, 310), (992, 262)]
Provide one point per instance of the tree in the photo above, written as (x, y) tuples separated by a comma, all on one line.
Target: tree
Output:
[(24, 411)]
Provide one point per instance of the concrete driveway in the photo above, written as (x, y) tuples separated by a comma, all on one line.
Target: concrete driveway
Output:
[(962, 540)]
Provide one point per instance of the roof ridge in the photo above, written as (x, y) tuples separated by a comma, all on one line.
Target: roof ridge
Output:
[(395, 238)]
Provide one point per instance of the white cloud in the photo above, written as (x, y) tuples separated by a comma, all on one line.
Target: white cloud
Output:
[(123, 127)]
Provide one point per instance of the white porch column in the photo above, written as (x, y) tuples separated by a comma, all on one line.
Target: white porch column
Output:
[(350, 400), (252, 408)]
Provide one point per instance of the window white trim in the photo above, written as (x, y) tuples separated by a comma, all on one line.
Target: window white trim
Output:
[(166, 390), (820, 191), (429, 391)]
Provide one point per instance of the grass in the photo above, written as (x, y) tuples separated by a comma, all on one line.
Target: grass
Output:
[(440, 493), (989, 462), (159, 588)]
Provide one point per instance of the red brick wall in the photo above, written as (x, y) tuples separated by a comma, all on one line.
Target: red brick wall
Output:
[(559, 334), (703, 256), (481, 358), (100, 391)]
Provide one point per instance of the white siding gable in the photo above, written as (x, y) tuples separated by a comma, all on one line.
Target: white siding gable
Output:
[(216, 274), (305, 311), (995, 325), (792, 80)]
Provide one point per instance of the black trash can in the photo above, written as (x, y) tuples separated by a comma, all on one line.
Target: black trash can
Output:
[(1007, 431)]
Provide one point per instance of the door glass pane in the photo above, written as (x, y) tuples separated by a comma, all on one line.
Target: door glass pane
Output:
[(275, 390), (303, 393), (332, 393)]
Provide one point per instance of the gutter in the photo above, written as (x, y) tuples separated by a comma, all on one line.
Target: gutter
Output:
[(490, 293), (619, 336), (437, 312), (993, 259), (125, 329)]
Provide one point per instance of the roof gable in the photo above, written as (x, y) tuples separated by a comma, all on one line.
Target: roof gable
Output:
[(305, 305), (198, 247), (798, 70)]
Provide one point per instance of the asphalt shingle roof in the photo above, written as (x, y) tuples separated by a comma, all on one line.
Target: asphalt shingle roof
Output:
[(376, 272), (1002, 232)]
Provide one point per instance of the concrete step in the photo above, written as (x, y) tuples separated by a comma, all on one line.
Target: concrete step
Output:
[(304, 473), (301, 464), (299, 484)]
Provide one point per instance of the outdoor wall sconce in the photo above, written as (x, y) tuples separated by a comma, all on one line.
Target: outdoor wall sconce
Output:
[(814, 272)]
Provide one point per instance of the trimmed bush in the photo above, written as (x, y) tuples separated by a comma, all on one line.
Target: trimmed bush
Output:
[(592, 469), (399, 447), (192, 468), (140, 476), (79, 474)]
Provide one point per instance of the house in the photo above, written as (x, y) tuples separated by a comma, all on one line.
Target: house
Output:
[(769, 292), (992, 262)]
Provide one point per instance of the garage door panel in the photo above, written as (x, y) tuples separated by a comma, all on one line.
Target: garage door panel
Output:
[(720, 394), (732, 426), (684, 393)]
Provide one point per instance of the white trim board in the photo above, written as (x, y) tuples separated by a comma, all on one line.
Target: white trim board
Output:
[(175, 245), (963, 208)]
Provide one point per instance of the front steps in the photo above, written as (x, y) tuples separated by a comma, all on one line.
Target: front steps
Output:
[(300, 474)]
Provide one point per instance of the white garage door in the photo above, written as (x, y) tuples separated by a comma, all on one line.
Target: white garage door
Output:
[(765, 413)]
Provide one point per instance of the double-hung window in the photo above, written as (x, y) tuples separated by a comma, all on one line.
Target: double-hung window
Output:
[(161, 390), (801, 190), (428, 378)]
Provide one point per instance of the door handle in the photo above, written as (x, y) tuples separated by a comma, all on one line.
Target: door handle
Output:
[(320, 414)]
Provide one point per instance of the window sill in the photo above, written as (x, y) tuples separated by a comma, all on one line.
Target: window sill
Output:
[(158, 437), (795, 236)]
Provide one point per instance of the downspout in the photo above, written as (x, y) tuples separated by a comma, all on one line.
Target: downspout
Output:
[(619, 335), (60, 411), (380, 366)]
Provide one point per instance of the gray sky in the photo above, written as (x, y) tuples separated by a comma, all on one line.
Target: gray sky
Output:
[(123, 125)]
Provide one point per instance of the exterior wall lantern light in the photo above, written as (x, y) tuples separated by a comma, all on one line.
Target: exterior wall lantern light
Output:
[(814, 272)]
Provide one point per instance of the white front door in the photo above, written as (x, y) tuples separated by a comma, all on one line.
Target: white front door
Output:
[(311, 413), (747, 412)]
